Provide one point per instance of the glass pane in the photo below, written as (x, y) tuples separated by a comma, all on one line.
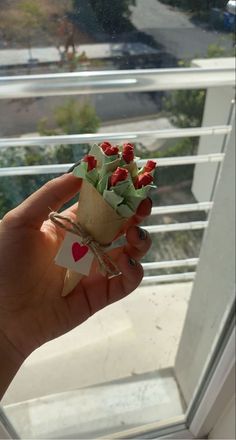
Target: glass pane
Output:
[(58, 36), (117, 371)]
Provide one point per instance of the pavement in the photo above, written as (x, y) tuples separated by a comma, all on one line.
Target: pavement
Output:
[(48, 55), (19, 116), (174, 30), (148, 124)]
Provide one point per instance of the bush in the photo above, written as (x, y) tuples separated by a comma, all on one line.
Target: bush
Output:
[(71, 118), (185, 107)]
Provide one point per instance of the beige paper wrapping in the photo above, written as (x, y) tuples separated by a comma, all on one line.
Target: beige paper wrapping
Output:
[(99, 220)]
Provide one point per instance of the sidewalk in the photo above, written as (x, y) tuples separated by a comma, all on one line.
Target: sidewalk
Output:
[(151, 142), (50, 55)]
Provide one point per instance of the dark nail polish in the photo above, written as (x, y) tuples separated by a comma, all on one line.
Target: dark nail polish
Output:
[(132, 262), (150, 200), (142, 233)]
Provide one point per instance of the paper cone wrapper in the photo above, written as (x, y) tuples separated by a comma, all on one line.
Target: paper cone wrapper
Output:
[(99, 220), (70, 282), (97, 217)]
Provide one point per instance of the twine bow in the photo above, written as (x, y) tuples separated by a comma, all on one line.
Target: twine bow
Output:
[(107, 266)]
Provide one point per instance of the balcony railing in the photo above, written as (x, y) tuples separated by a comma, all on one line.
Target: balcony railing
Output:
[(130, 81)]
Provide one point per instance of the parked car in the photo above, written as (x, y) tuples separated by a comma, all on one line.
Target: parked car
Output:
[(224, 19)]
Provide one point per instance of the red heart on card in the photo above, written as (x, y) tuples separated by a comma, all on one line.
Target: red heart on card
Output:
[(79, 251)]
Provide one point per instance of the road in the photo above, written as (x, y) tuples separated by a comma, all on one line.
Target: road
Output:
[(22, 116), (174, 30)]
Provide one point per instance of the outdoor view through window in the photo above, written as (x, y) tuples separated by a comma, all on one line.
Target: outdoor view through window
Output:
[(116, 371)]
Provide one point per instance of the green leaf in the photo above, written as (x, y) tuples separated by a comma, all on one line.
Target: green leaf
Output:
[(103, 183), (125, 211), (113, 199)]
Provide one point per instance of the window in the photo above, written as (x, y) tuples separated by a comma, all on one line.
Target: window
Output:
[(156, 73)]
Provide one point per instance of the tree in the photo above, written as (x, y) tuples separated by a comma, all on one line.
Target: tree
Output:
[(26, 22), (185, 107), (71, 118), (32, 20), (112, 15), (75, 118)]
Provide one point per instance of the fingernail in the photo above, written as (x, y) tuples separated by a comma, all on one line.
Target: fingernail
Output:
[(142, 233), (132, 262), (150, 200)]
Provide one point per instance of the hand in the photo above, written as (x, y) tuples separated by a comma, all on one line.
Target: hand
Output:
[(32, 310)]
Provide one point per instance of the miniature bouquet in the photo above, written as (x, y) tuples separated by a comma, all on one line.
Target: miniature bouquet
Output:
[(112, 189)]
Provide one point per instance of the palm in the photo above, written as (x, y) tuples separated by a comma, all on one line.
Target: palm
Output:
[(31, 284)]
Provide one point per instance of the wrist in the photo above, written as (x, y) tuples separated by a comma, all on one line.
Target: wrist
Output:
[(11, 361)]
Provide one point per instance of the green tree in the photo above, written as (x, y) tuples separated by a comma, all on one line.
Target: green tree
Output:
[(25, 20), (75, 118), (185, 107), (113, 15), (71, 118), (28, 22), (32, 19)]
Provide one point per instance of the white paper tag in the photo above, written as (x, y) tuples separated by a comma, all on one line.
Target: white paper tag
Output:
[(74, 255)]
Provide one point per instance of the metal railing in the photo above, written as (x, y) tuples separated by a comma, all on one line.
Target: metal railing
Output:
[(116, 82), (62, 168), (99, 137), (84, 83)]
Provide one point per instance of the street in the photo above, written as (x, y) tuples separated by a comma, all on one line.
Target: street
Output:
[(22, 116), (174, 30)]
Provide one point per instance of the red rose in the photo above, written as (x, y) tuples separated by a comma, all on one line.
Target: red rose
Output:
[(105, 145), (143, 180), (109, 150), (113, 151), (128, 153), (150, 166), (91, 161), (118, 176)]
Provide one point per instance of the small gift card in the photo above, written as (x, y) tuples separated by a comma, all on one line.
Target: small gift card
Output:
[(74, 255)]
